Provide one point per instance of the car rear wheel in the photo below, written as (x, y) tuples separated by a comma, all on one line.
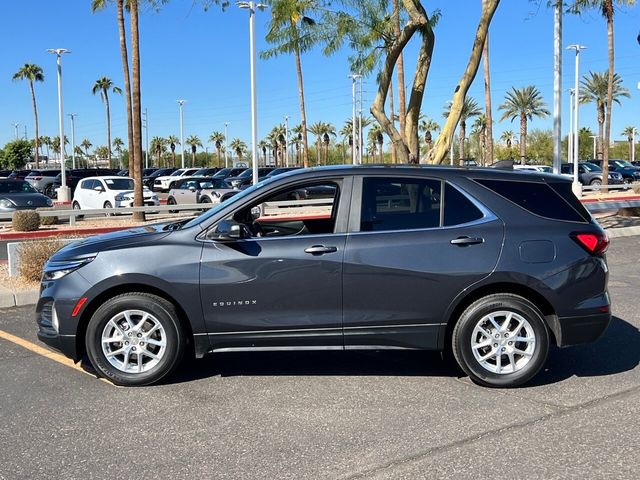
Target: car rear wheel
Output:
[(76, 206), (501, 340), (107, 205), (135, 339), (172, 201), (596, 183)]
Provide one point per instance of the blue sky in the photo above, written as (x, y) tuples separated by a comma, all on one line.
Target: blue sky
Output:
[(203, 57)]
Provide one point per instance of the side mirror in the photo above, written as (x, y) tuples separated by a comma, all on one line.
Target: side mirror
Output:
[(228, 231), (192, 188), (98, 189)]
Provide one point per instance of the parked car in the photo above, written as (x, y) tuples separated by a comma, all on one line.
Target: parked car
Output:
[(590, 174), (19, 174), (534, 168), (279, 171), (206, 172), (40, 179), (193, 190), (108, 192), (145, 172), (163, 183), (20, 195), (495, 265), (5, 173), (147, 180), (229, 172), (73, 177), (629, 172), (235, 182)]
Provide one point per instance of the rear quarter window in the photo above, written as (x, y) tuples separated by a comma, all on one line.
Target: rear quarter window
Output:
[(539, 198)]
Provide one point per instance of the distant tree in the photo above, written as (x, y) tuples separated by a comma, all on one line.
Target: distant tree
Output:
[(32, 73), (524, 104), (239, 147), (218, 139), (194, 142), (16, 154), (173, 141), (118, 145), (470, 109), (630, 132), (103, 86)]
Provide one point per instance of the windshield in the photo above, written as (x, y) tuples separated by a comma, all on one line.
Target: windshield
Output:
[(546, 169), (623, 163), (222, 173), (16, 187), (214, 183), (590, 167), (119, 183), (177, 173)]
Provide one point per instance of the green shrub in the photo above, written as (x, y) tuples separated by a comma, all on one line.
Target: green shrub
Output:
[(33, 255), (48, 220), (25, 221)]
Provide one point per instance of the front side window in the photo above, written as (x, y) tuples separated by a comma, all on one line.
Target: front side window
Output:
[(301, 210), (88, 184), (119, 183)]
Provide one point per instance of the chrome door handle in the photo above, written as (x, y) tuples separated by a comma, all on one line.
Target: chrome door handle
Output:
[(465, 241), (320, 250)]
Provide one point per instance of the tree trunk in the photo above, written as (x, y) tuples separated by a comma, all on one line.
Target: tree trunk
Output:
[(445, 139), (138, 200), (608, 12), (523, 139), (488, 153), (600, 140), (127, 88), (402, 102), (106, 102), (303, 113), (394, 155), (463, 135), (35, 117)]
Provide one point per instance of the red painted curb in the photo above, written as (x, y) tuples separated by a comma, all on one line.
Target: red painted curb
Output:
[(611, 199), (59, 233)]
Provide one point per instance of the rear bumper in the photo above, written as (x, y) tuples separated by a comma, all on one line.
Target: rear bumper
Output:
[(583, 329)]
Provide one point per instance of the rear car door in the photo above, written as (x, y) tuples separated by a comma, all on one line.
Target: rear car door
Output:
[(280, 286), (415, 243)]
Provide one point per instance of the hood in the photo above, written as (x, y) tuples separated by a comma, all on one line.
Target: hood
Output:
[(131, 193), (27, 200), (87, 247)]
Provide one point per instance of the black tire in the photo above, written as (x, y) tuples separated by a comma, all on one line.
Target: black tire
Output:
[(162, 311), (107, 205), (464, 330), (172, 201), (596, 183), (205, 200), (76, 206)]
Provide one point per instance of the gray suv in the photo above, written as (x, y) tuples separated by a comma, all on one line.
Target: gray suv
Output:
[(494, 265)]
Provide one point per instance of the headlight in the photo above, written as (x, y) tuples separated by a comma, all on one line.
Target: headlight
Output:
[(122, 198), (4, 203), (49, 202), (56, 270), (154, 197)]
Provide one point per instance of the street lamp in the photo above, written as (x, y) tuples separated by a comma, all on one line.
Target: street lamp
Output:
[(570, 136), (73, 139), (63, 190), (594, 145), (16, 125), (251, 6), (226, 145), (577, 187), (633, 144), (181, 103), (354, 77)]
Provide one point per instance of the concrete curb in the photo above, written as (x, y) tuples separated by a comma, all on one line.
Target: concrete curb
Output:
[(30, 297)]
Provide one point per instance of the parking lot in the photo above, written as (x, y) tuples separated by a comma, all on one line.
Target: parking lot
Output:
[(330, 415)]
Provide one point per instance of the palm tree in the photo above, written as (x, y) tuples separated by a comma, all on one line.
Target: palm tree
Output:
[(103, 86), (86, 145), (158, 145), (317, 130), (488, 129), (328, 131), (32, 73), (607, 8), (594, 88), (524, 104), (217, 138), (296, 141), (117, 146), (507, 138), (376, 138), (262, 146), (194, 142), (470, 109), (479, 128), (277, 138), (45, 141), (428, 126), (291, 30), (630, 133), (173, 141), (239, 147), (55, 144)]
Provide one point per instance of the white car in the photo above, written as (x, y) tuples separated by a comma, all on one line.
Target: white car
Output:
[(109, 192), (163, 183), (534, 168)]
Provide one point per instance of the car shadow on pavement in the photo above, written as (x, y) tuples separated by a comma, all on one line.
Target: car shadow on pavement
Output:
[(616, 352)]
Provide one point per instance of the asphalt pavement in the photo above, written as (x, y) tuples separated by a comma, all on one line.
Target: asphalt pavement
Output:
[(331, 414)]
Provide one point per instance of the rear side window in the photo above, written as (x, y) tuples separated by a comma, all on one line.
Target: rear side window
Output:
[(537, 198), (458, 209), (400, 204)]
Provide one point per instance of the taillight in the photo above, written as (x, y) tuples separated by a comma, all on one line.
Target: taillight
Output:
[(594, 243)]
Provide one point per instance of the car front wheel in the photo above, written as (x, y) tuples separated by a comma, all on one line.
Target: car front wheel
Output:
[(501, 340), (135, 339)]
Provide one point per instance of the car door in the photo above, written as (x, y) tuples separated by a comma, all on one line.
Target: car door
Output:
[(281, 285), (415, 245)]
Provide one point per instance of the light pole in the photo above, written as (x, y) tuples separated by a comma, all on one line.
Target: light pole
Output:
[(226, 145), (146, 134), (594, 145), (286, 140), (63, 190), (181, 103), (633, 144), (557, 86), (73, 139), (570, 136), (577, 187), (251, 6), (360, 135), (354, 77), (16, 125)]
